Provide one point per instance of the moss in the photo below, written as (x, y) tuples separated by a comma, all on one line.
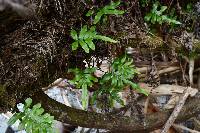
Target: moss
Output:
[(7, 101), (2, 89)]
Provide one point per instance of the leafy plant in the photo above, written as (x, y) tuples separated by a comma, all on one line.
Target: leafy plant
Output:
[(144, 2), (83, 79), (121, 74), (33, 120), (189, 7), (157, 15), (86, 37), (106, 10)]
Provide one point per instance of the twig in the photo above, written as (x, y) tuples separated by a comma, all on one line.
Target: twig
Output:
[(146, 105), (176, 111), (162, 71), (185, 128), (191, 70), (169, 69), (55, 83)]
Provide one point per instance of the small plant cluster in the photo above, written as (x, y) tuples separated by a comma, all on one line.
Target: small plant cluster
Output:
[(113, 82), (144, 2), (87, 35), (121, 74), (122, 69), (156, 15), (83, 80), (33, 120), (107, 10)]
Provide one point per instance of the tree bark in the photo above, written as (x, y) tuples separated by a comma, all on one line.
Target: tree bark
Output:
[(149, 122)]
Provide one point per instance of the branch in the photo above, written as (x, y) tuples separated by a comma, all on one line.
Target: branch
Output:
[(191, 70), (112, 122), (185, 128), (176, 111)]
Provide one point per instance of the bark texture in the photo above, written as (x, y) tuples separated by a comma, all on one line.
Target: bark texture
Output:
[(146, 123)]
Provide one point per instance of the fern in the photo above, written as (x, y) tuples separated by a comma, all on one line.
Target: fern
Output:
[(144, 2), (107, 10), (122, 71), (157, 15), (83, 79), (86, 37), (33, 120)]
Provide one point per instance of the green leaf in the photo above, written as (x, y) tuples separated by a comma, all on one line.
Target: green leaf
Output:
[(90, 13), (28, 102), (113, 5), (84, 97), (137, 87), (120, 83), (21, 126), (83, 32), (32, 120), (93, 29), (176, 22), (129, 62), (163, 8), (143, 91), (36, 130), (147, 17), (157, 15), (29, 126), (14, 118), (94, 97), (189, 7), (114, 12), (73, 34), (109, 9), (75, 45), (155, 6), (114, 81), (98, 17), (164, 17), (90, 70), (84, 46), (37, 106), (104, 38), (106, 77), (90, 44), (75, 70), (93, 79), (123, 59), (39, 111), (153, 19), (78, 77)]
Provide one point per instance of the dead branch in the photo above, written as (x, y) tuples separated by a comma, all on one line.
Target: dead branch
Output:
[(166, 89), (176, 111), (169, 69), (144, 71)]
